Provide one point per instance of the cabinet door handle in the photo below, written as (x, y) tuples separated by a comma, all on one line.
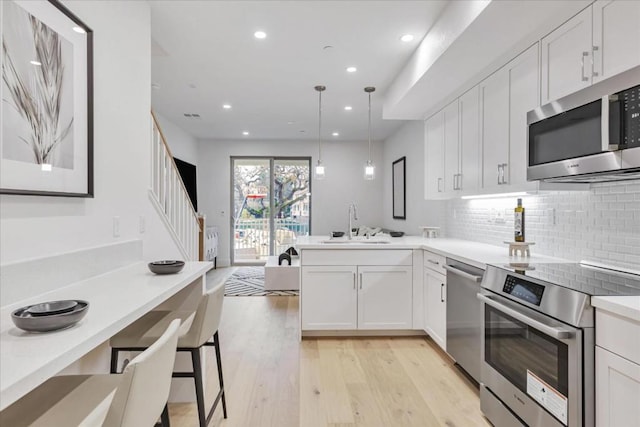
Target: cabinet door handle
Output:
[(504, 174), (360, 280), (433, 262), (439, 182), (594, 73), (354, 281), (459, 181), (441, 292), (584, 78), (499, 167)]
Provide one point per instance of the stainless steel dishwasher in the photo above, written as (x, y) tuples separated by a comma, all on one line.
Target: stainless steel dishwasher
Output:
[(464, 316)]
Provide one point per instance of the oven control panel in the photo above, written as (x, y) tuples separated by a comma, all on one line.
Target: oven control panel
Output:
[(523, 290)]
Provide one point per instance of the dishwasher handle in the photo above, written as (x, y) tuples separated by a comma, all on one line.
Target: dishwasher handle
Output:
[(464, 274), (557, 333)]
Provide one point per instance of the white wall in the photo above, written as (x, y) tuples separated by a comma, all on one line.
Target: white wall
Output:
[(409, 141), (344, 183), (33, 226), (182, 144)]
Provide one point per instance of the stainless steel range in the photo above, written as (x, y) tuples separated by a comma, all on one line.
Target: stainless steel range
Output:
[(538, 341)]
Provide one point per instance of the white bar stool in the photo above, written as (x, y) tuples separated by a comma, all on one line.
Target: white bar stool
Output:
[(197, 329), (135, 398)]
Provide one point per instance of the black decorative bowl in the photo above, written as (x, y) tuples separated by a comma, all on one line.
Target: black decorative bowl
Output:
[(166, 267), (396, 233), (337, 233), (52, 307), (26, 320)]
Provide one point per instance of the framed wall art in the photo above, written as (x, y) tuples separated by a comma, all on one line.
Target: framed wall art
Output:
[(46, 140), (399, 190)]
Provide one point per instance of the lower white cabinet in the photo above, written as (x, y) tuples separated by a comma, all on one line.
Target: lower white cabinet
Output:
[(356, 297), (435, 306), (617, 390)]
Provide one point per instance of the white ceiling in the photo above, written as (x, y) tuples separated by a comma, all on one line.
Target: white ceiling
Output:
[(210, 45)]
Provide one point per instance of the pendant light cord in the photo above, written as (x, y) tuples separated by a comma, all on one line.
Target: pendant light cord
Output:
[(369, 126), (319, 125)]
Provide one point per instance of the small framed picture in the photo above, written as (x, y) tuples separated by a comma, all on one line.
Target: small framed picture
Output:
[(46, 140)]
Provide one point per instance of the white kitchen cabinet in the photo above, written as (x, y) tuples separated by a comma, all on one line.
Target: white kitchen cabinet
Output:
[(506, 97), (566, 57), (434, 157), (385, 297), (470, 161), (599, 42), (330, 297), (435, 306), (617, 390), (524, 96), (616, 37), (353, 289), (451, 148), (494, 101)]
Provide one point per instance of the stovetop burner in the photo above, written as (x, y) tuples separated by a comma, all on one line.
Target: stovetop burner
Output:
[(582, 277)]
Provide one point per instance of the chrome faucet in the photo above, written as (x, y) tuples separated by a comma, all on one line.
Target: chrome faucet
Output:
[(354, 209)]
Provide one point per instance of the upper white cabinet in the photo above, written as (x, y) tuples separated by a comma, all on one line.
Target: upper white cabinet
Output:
[(566, 57), (434, 157), (599, 42), (470, 161), (616, 37), (451, 148), (494, 100), (523, 97)]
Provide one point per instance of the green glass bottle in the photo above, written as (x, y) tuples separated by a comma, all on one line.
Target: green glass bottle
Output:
[(518, 222)]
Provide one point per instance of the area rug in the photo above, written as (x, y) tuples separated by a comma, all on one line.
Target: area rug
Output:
[(249, 282)]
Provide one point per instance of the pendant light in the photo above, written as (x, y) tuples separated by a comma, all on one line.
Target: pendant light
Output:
[(319, 167), (369, 167)]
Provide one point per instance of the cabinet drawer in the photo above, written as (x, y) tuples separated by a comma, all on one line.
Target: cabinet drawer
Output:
[(435, 262), (357, 257), (619, 335)]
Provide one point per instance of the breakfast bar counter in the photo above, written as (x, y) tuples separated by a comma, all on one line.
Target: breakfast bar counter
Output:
[(116, 299)]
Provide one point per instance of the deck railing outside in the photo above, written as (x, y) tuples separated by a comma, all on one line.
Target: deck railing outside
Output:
[(251, 237)]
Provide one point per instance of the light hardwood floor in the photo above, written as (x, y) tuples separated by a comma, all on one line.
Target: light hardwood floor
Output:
[(272, 379)]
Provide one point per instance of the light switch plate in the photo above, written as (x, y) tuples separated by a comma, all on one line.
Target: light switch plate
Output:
[(116, 226)]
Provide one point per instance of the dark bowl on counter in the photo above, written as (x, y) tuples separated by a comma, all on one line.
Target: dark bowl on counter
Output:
[(337, 233), (396, 233), (24, 319), (166, 266)]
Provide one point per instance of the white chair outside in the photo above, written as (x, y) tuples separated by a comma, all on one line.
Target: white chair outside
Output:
[(197, 330), (135, 398)]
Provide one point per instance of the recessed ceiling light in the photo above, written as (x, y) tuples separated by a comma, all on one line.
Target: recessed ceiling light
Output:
[(290, 122), (79, 30), (245, 133), (35, 62), (351, 69), (348, 108), (260, 35), (226, 106), (335, 134), (155, 86), (407, 38)]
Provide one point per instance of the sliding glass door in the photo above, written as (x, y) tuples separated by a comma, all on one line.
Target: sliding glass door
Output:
[(271, 206)]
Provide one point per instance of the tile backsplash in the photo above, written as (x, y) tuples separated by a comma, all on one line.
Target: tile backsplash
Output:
[(601, 224)]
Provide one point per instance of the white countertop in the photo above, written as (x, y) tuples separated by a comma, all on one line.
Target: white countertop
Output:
[(627, 306), (116, 299), (473, 253)]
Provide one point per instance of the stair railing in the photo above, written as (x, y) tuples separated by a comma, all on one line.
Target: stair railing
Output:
[(170, 197)]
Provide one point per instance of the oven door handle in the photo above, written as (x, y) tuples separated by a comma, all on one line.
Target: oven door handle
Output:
[(560, 334), (464, 274)]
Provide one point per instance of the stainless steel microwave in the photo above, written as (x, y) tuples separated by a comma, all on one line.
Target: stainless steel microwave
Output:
[(590, 136)]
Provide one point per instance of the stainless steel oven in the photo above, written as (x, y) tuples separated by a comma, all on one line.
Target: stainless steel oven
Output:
[(534, 363)]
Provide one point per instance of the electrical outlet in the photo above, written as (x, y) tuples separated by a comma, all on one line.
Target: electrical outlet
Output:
[(221, 214), (455, 214), (116, 226), (492, 215), (500, 217), (551, 216), (143, 225)]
